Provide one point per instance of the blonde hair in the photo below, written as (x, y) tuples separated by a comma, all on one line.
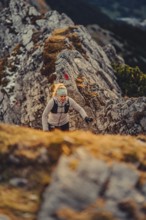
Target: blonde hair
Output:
[(55, 87)]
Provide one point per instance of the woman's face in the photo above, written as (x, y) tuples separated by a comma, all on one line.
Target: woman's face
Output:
[(62, 98)]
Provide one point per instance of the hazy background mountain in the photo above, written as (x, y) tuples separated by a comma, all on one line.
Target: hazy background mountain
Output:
[(121, 8)]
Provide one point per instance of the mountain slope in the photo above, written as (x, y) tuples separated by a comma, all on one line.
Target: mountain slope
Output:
[(41, 49)]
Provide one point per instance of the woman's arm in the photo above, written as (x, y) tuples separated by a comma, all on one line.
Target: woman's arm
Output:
[(78, 108), (45, 114)]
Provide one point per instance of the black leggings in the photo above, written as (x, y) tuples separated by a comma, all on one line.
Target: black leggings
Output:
[(64, 127)]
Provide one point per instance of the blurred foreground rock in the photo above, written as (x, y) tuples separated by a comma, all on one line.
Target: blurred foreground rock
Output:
[(72, 175)]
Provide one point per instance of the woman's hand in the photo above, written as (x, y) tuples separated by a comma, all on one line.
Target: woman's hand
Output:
[(88, 120)]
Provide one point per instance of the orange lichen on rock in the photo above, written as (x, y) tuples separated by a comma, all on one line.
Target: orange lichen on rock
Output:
[(90, 213), (62, 38), (19, 199), (29, 142), (16, 50), (3, 63)]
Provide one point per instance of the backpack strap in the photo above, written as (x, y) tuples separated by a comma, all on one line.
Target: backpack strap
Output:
[(66, 107), (55, 107)]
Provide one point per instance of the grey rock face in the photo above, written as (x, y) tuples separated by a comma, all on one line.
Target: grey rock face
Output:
[(74, 188), (4, 217), (30, 63), (122, 182), (80, 180)]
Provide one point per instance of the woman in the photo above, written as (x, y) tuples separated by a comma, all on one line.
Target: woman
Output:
[(57, 110)]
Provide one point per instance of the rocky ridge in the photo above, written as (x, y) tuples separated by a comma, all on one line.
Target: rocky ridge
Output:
[(41, 49)]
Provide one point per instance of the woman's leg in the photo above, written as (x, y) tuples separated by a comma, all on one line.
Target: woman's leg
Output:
[(65, 127), (51, 127)]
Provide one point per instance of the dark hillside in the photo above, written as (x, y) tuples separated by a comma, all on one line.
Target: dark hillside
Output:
[(80, 12)]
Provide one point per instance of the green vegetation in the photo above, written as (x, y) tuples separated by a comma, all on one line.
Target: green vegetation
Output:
[(132, 81)]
